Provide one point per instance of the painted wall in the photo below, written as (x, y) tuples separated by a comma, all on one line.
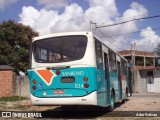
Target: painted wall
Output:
[(142, 83)]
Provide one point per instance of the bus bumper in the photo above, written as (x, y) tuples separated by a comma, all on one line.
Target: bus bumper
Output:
[(90, 99)]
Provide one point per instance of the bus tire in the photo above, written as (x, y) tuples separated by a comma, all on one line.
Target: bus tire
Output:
[(112, 100)]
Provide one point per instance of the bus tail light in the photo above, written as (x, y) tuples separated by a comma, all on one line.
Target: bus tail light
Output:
[(86, 85), (34, 87), (58, 72), (34, 81), (85, 79)]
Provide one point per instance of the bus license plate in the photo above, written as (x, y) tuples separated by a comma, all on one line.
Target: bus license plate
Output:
[(58, 91)]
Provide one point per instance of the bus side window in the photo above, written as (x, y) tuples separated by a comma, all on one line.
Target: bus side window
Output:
[(112, 61), (99, 60), (124, 67)]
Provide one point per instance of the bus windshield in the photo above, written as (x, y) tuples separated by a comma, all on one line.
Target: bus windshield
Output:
[(60, 49)]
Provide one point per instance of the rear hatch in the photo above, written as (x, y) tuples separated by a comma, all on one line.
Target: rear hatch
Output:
[(62, 82)]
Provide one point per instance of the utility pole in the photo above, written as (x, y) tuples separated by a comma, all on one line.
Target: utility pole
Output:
[(133, 50), (30, 51), (92, 26)]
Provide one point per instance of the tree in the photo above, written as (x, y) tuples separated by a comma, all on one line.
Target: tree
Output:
[(14, 44), (157, 50)]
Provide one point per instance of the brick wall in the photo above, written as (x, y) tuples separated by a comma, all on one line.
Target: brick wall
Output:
[(9, 84), (6, 83)]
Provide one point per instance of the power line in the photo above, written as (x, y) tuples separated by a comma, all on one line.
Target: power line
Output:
[(113, 40), (132, 32), (150, 17)]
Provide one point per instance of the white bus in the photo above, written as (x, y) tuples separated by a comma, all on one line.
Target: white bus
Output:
[(76, 68)]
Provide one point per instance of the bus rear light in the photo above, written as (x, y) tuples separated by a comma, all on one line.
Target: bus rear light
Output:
[(34, 87), (58, 72), (85, 79), (86, 85), (34, 81)]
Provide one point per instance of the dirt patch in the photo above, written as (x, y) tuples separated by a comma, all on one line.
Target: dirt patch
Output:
[(24, 105)]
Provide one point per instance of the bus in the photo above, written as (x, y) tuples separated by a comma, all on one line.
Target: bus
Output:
[(76, 68)]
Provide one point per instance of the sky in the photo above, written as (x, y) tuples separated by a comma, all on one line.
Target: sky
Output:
[(52, 16)]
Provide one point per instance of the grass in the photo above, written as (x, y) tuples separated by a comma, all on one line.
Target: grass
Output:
[(12, 98)]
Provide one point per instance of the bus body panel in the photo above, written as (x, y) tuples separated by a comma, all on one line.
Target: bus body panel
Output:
[(62, 82), (101, 89), (90, 99)]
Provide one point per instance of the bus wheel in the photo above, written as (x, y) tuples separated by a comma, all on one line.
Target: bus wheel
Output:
[(112, 100)]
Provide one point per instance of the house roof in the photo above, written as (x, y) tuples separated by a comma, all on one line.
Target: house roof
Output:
[(137, 53), (6, 67)]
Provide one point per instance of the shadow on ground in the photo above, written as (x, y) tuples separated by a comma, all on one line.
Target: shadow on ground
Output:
[(85, 112)]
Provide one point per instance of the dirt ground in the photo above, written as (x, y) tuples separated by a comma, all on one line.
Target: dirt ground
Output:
[(141, 102), (137, 104)]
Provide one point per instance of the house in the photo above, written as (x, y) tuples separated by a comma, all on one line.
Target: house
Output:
[(145, 70)]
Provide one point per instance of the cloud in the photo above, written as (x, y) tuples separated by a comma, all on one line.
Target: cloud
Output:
[(6, 3), (109, 6), (118, 43), (74, 18), (56, 4), (148, 41)]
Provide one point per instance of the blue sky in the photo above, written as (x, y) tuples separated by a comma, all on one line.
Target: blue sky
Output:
[(50, 16)]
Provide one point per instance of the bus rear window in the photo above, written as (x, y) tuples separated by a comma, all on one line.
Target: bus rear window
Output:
[(60, 49)]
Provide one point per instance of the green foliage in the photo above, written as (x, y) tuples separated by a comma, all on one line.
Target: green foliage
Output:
[(139, 61), (14, 44), (149, 61), (11, 98)]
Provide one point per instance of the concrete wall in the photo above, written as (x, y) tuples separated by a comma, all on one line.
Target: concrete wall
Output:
[(24, 86), (141, 80), (143, 86), (157, 81)]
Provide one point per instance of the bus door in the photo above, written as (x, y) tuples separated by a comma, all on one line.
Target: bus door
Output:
[(107, 78), (119, 79)]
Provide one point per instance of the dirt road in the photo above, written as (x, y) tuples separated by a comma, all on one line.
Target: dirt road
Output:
[(141, 102), (139, 106)]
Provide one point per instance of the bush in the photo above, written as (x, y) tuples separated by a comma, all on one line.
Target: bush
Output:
[(11, 98)]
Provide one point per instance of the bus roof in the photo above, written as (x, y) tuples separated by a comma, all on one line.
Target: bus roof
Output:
[(61, 34)]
